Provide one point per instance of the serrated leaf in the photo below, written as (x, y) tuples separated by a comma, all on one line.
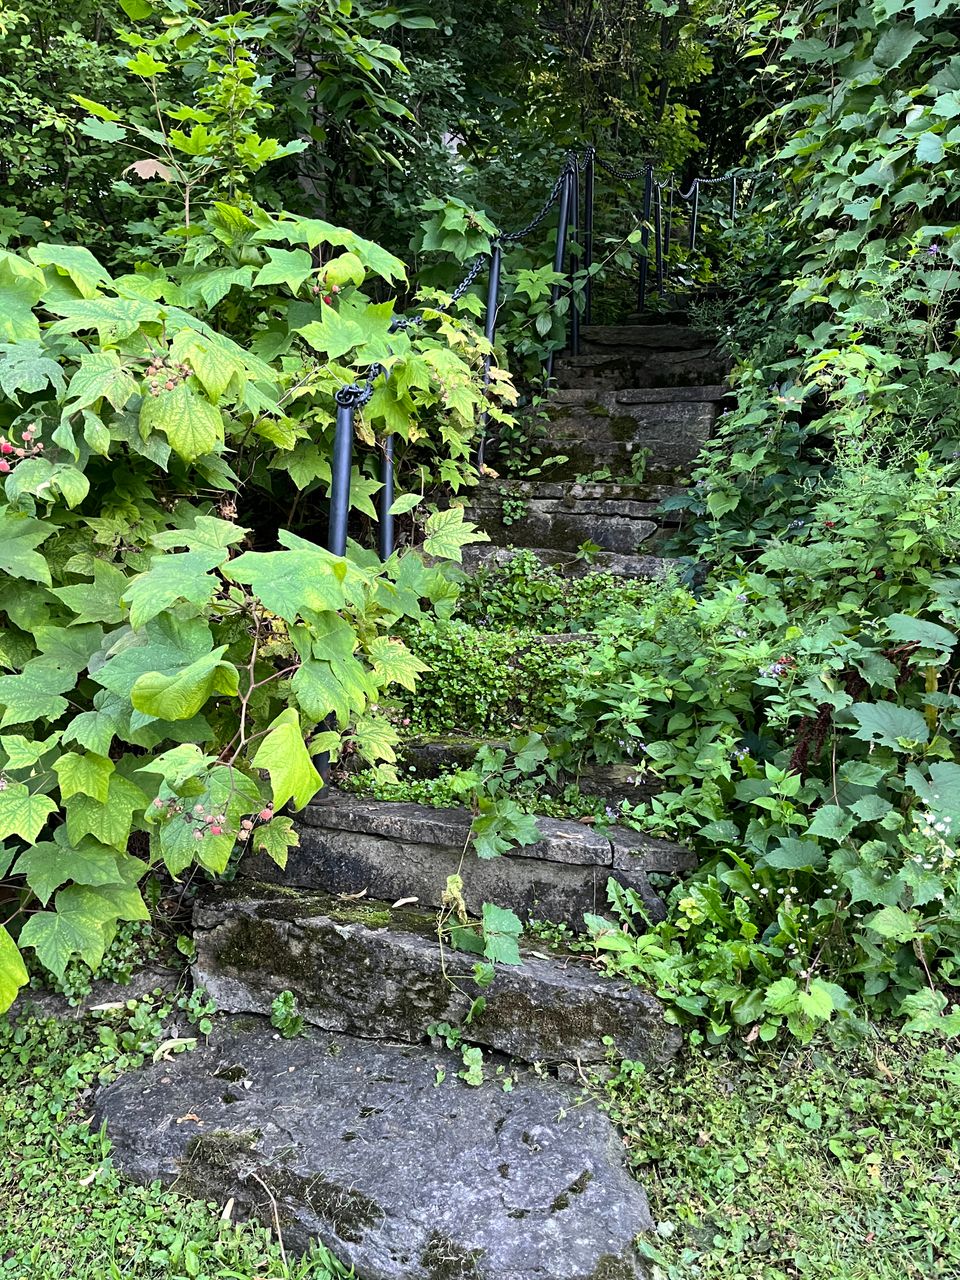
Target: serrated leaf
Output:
[(889, 725), (334, 335), (75, 261), (276, 838), (792, 855), (393, 662), (292, 582), (930, 148), (109, 823), (21, 288), (25, 366), (894, 923), (22, 813), (286, 266), (284, 755), (13, 972), (501, 934), (180, 695), (50, 864), (447, 533), (57, 938), (817, 1002), (406, 502), (99, 600), (830, 822), (23, 753), (193, 425), (20, 535), (100, 375), (87, 774), (35, 694), (172, 577)]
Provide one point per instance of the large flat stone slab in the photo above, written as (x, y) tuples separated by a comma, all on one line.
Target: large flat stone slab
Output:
[(357, 1145), (391, 851), (367, 970)]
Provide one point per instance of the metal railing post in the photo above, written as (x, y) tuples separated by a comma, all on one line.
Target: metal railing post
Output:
[(588, 191), (694, 212), (733, 198), (385, 532), (645, 237), (340, 473), (574, 258), (490, 333), (658, 237), (560, 253)]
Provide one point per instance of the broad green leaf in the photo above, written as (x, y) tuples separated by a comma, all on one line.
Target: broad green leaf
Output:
[(206, 532), (291, 583), (23, 753), (181, 695), (929, 634), (226, 791), (894, 923), (889, 725), (334, 336), (276, 838), (96, 108), (35, 694), (447, 534), (172, 577), (344, 269), (25, 366), (930, 148), (393, 662), (179, 764), (20, 535), (23, 814), (102, 130), (109, 823), (50, 864), (74, 261), (87, 774), (791, 855), (21, 288), (284, 755), (406, 502), (501, 934), (99, 376), (287, 266), (111, 317), (830, 822), (817, 1002), (13, 972), (193, 425), (314, 231), (57, 938), (99, 600)]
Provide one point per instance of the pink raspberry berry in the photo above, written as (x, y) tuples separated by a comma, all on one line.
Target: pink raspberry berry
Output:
[(216, 830), (6, 446), (4, 467), (265, 815)]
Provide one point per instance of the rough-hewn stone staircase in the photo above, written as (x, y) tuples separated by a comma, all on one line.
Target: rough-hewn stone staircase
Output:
[(639, 401), (361, 1133)]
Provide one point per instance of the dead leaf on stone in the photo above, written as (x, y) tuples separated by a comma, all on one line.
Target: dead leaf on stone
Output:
[(352, 897), (191, 1116), (404, 902)]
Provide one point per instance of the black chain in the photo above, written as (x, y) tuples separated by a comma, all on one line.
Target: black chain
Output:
[(569, 166), (625, 175)]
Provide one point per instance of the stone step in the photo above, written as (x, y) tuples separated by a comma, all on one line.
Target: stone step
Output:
[(616, 517), (365, 969), (432, 757), (640, 367), (391, 851), (485, 555), (649, 336), (402, 1170)]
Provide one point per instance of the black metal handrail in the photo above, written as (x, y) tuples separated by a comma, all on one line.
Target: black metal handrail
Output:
[(567, 191)]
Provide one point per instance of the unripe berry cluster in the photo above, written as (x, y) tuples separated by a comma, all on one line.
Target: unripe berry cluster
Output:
[(163, 375), (11, 454)]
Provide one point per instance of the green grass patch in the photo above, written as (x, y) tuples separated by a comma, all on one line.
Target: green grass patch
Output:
[(821, 1164), (66, 1214)]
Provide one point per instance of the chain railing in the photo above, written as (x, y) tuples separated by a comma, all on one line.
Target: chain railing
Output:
[(574, 193)]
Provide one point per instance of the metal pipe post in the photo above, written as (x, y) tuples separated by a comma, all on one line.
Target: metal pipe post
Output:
[(560, 254), (588, 187), (574, 259), (645, 237), (694, 212), (490, 333), (733, 198), (658, 235), (387, 518), (340, 480)]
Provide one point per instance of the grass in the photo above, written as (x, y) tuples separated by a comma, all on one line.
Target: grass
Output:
[(64, 1212), (833, 1162), (825, 1163)]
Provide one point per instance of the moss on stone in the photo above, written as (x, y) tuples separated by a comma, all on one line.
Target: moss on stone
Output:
[(349, 1212), (444, 1260), (576, 1188), (613, 1267)]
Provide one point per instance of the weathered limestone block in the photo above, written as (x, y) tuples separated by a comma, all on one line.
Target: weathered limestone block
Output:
[(356, 1144), (485, 555), (393, 851), (367, 970)]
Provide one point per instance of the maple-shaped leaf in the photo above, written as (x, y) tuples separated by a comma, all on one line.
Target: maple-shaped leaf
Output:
[(20, 535), (172, 577), (393, 662), (284, 755), (23, 813), (276, 838), (447, 533), (181, 694), (192, 424), (13, 972)]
